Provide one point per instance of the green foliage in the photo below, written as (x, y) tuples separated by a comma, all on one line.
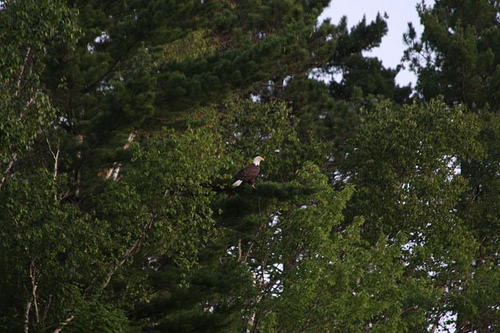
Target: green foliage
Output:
[(172, 175), (457, 57), (194, 45), (350, 287), (27, 30), (269, 130), (360, 73), (412, 153), (124, 122), (277, 237), (406, 164), (53, 249)]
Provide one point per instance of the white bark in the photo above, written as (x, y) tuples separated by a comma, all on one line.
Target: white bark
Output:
[(64, 323), (34, 287), (55, 155), (27, 317), (114, 171)]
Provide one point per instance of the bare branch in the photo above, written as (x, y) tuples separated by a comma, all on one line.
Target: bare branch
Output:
[(64, 323), (55, 155), (27, 317), (130, 139), (47, 307), (34, 287), (130, 251), (6, 172), (20, 77), (79, 140), (28, 103), (239, 249), (245, 258), (114, 171)]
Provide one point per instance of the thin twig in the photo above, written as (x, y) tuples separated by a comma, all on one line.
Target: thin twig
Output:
[(6, 172), (47, 307)]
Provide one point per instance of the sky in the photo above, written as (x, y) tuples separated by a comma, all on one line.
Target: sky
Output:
[(400, 13)]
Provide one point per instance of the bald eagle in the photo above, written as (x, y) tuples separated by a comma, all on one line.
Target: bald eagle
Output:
[(248, 174)]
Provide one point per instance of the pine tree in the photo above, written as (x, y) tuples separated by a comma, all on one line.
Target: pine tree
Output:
[(124, 122), (95, 208)]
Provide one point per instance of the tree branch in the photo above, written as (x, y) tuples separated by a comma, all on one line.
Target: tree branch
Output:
[(27, 317), (239, 249), (55, 156), (6, 172), (64, 323), (47, 307), (19, 78), (130, 251), (34, 287), (245, 258), (114, 172)]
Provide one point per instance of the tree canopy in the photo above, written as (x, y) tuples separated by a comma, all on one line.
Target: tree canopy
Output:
[(123, 123)]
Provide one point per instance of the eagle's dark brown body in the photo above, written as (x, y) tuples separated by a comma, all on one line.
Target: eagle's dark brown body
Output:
[(248, 174)]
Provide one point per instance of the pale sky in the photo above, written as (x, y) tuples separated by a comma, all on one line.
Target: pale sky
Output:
[(400, 13)]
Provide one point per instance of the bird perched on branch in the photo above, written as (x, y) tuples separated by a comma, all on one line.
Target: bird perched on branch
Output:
[(248, 174)]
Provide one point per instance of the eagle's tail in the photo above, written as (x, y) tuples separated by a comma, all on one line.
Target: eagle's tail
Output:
[(237, 183)]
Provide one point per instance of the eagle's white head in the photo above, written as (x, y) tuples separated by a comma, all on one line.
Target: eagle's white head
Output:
[(257, 160)]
